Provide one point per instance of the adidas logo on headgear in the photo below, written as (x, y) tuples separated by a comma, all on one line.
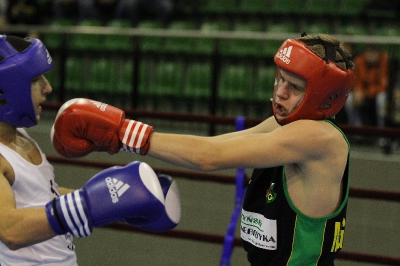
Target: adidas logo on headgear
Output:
[(284, 54), (49, 60), (116, 188)]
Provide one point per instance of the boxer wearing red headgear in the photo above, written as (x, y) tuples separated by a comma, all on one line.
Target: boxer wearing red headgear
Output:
[(294, 210), (328, 85)]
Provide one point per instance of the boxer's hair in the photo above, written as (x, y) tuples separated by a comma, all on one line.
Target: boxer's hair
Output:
[(318, 44)]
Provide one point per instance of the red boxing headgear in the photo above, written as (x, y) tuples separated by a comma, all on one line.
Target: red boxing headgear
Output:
[(327, 84)]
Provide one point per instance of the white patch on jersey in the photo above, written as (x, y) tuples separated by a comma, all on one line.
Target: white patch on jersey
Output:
[(258, 230)]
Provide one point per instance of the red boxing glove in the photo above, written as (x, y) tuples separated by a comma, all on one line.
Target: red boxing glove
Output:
[(83, 126)]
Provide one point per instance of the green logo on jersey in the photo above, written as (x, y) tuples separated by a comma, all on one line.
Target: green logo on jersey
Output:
[(270, 194)]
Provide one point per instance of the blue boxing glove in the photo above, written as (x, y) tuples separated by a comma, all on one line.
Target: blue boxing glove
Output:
[(172, 214), (112, 195)]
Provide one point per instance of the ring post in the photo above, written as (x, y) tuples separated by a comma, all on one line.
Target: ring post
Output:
[(240, 190)]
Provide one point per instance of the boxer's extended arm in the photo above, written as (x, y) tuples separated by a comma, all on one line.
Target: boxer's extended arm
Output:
[(201, 153), (84, 125), (297, 142)]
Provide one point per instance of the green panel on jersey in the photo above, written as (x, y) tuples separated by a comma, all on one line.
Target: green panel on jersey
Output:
[(308, 239)]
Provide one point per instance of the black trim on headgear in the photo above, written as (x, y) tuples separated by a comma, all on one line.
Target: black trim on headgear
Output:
[(17, 43)]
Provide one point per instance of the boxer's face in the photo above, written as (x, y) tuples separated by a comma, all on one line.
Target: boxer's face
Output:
[(40, 87), (289, 92)]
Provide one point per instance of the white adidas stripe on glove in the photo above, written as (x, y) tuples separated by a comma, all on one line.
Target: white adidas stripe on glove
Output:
[(135, 136)]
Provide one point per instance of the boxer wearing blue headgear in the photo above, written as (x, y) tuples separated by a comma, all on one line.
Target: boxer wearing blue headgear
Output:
[(38, 219), (18, 67)]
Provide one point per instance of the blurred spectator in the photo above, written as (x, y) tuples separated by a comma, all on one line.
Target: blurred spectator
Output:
[(104, 10), (137, 10), (3, 12), (24, 12), (367, 102), (27, 12), (84, 9), (396, 97), (68, 9)]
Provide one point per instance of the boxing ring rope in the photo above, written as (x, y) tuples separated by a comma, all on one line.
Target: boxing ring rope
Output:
[(223, 179), (223, 120), (228, 179)]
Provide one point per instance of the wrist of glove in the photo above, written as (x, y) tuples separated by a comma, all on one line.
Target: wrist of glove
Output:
[(69, 214), (135, 137)]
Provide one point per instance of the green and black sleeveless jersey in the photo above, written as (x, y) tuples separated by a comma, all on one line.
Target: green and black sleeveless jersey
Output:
[(275, 232)]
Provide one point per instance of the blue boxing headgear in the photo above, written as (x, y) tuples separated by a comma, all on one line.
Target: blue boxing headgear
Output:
[(22, 60)]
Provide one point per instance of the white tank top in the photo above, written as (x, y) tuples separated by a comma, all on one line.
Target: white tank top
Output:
[(34, 186)]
